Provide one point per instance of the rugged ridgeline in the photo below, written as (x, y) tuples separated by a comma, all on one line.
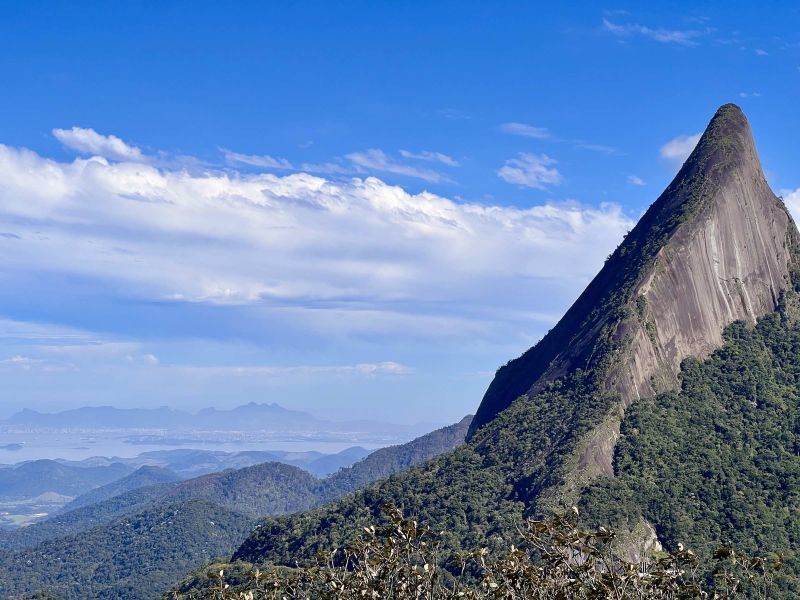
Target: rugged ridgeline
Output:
[(715, 248), (135, 543)]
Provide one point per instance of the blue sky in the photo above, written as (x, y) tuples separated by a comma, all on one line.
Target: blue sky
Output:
[(356, 208)]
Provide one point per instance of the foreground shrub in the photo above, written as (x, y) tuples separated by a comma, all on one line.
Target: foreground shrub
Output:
[(557, 560)]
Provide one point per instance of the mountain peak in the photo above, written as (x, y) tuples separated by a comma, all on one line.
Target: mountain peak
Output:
[(715, 247), (726, 143), (729, 118)]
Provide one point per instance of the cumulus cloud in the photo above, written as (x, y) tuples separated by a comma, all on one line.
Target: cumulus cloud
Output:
[(678, 149), (530, 170), (429, 156), (525, 130), (334, 257), (88, 141), (684, 37)]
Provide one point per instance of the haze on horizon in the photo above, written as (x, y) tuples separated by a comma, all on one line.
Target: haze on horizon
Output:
[(337, 208)]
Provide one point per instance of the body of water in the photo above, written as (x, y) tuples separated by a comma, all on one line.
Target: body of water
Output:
[(23, 446)]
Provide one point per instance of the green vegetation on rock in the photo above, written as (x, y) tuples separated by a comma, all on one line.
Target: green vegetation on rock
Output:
[(718, 460)]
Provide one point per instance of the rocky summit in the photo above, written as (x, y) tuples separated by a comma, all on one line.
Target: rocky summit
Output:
[(717, 246)]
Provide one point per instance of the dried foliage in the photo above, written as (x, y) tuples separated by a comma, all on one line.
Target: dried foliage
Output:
[(557, 560)]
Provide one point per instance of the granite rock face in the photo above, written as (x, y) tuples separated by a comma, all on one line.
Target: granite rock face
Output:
[(717, 246)]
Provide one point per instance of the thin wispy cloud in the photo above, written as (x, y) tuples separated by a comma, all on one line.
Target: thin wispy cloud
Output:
[(525, 130), (264, 161), (377, 160), (531, 170), (543, 133), (604, 149), (429, 156), (635, 180), (372, 160), (46, 348), (679, 148), (616, 12), (761, 52), (362, 369), (23, 362), (455, 114), (683, 37), (749, 95), (31, 333)]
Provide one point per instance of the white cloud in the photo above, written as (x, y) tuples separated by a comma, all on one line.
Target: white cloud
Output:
[(29, 363), (678, 149), (760, 52), (792, 200), (23, 362), (333, 257), (150, 359), (88, 141), (685, 37), (530, 170), (749, 95), (430, 157), (13, 331), (378, 160), (524, 130), (635, 180)]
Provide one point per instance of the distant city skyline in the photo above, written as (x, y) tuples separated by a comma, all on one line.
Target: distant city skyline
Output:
[(356, 209)]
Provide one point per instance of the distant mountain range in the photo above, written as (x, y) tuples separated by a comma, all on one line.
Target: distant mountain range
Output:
[(188, 462), (120, 541), (253, 416)]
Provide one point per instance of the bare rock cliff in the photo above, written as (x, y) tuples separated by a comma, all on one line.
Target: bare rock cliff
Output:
[(729, 262), (717, 246)]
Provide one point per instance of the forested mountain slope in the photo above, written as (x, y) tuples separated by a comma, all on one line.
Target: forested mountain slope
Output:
[(717, 247), (141, 477), (135, 557)]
